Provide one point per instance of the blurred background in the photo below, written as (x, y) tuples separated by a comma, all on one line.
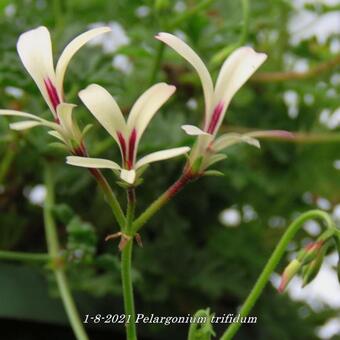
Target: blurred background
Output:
[(207, 247)]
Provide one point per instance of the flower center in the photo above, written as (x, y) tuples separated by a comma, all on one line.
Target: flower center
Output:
[(52, 93), (132, 145), (128, 153), (215, 118)]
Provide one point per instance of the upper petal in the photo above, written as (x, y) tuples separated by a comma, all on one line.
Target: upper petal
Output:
[(88, 162), (105, 109), (71, 49), (191, 56), (235, 71), (35, 51), (161, 155), (147, 105)]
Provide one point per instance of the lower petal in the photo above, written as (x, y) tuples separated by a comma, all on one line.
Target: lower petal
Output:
[(87, 162)]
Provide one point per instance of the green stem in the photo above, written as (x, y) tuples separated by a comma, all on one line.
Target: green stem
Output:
[(129, 305), (158, 61), (110, 197), (190, 12), (59, 15), (7, 160), (272, 263), (53, 250), (161, 201), (246, 17), (25, 257), (223, 54)]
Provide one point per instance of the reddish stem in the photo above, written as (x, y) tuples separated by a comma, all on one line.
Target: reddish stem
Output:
[(186, 177)]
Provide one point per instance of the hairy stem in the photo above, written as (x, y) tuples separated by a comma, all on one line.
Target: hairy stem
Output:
[(53, 250), (24, 257), (129, 305), (110, 197), (272, 263)]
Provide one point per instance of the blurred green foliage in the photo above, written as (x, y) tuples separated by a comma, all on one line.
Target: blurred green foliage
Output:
[(190, 260)]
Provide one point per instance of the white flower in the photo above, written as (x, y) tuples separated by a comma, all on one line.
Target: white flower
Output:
[(35, 51), (235, 71), (128, 133)]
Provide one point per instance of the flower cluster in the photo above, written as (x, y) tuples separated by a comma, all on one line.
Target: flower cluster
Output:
[(309, 260), (35, 51), (127, 134), (235, 71)]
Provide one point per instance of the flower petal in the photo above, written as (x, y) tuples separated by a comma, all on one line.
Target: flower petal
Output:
[(235, 71), (161, 155), (35, 51), (105, 109), (193, 130), (147, 105), (191, 56), (88, 162), (229, 139), (64, 111), (57, 135), (20, 114), (23, 125), (128, 176), (71, 49)]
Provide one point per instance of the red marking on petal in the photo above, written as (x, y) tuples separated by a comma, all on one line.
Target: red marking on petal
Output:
[(132, 146), (122, 145), (215, 118), (52, 93)]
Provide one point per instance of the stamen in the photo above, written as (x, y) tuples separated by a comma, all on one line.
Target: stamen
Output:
[(215, 117), (52, 93), (132, 145)]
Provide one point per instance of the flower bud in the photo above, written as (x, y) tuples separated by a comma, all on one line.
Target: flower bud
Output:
[(312, 269), (290, 271), (310, 252), (337, 242)]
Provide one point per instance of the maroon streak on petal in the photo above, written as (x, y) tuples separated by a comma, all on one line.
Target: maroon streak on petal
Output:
[(215, 118), (122, 145), (132, 145), (52, 93)]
